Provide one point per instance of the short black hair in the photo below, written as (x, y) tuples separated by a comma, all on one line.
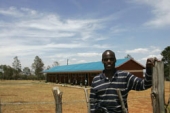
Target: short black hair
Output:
[(108, 51)]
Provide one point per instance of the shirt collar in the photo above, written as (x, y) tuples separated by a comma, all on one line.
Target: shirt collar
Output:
[(102, 75)]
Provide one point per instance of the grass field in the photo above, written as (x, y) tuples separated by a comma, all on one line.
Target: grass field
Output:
[(37, 97)]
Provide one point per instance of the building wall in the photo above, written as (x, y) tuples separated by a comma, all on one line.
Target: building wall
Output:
[(70, 78), (132, 67)]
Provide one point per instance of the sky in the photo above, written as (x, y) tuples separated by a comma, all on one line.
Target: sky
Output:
[(81, 30)]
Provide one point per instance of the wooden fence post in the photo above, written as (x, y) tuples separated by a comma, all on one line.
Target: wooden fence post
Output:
[(157, 90), (87, 99), (0, 106), (58, 99), (121, 101)]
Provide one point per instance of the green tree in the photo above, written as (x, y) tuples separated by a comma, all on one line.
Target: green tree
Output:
[(38, 66), (166, 59), (7, 73), (26, 71), (55, 64), (16, 64), (48, 67), (129, 56), (1, 72)]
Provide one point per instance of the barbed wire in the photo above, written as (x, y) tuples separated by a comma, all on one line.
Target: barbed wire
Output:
[(64, 102), (26, 103)]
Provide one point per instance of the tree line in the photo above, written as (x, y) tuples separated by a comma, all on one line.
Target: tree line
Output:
[(166, 59), (15, 72)]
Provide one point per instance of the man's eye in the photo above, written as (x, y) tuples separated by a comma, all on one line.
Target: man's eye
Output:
[(106, 59), (111, 59)]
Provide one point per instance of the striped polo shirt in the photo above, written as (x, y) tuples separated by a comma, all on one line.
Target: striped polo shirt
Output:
[(103, 90)]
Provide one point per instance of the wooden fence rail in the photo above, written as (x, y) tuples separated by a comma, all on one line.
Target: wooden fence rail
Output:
[(87, 99), (124, 110)]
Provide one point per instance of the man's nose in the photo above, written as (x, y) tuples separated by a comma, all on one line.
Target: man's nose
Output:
[(108, 60)]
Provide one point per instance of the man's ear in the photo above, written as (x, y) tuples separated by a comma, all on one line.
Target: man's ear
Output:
[(115, 60), (102, 61)]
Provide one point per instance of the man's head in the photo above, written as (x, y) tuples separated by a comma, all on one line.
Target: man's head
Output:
[(109, 60)]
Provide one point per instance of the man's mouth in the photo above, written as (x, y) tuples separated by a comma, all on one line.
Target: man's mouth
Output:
[(109, 65)]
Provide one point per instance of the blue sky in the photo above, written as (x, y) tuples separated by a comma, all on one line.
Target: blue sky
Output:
[(80, 30)]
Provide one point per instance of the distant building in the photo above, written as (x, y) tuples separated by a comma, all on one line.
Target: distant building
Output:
[(77, 73)]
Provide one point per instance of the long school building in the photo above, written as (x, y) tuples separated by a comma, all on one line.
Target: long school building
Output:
[(77, 73)]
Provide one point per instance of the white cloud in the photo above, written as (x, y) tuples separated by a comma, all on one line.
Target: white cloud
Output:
[(138, 50), (11, 11), (30, 11), (23, 50), (150, 50), (89, 54), (118, 29), (102, 46), (161, 12), (29, 32), (155, 50), (145, 53), (36, 24), (158, 56)]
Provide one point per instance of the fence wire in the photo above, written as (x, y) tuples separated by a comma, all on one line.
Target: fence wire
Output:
[(27, 103)]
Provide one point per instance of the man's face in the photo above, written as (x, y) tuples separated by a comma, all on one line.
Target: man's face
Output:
[(109, 60)]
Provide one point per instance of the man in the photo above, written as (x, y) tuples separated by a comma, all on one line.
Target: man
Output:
[(103, 95)]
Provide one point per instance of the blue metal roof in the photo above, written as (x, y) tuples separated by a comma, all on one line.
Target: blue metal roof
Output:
[(83, 67)]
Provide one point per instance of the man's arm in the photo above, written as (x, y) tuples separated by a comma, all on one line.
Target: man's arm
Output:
[(135, 83)]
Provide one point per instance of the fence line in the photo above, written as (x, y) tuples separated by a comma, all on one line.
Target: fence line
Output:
[(25, 103), (0, 106), (28, 103), (43, 103), (65, 102)]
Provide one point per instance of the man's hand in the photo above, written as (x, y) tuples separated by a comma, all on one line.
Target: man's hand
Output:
[(151, 62)]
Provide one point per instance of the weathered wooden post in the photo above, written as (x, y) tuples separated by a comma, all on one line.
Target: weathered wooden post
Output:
[(0, 106), (121, 101), (87, 99), (157, 90), (58, 99)]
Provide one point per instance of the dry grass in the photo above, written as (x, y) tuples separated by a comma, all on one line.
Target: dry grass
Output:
[(37, 97)]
